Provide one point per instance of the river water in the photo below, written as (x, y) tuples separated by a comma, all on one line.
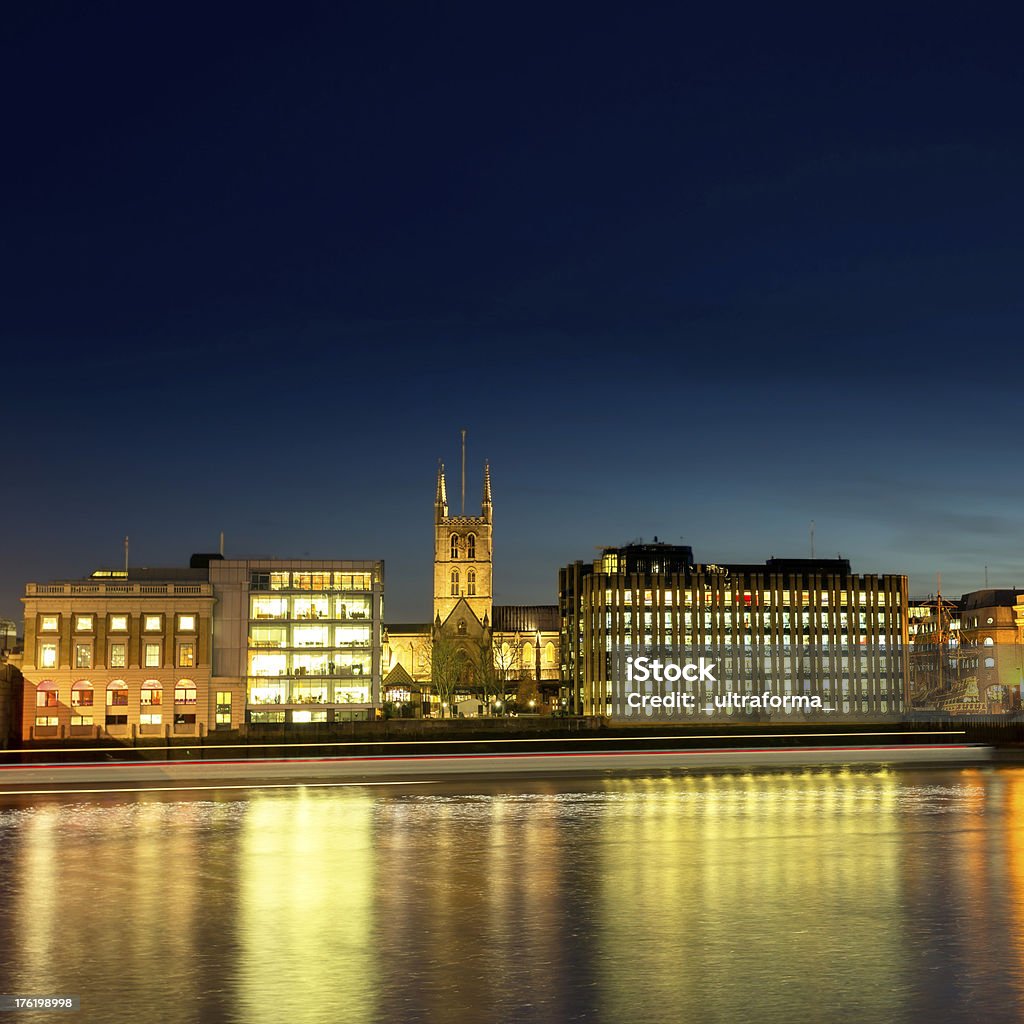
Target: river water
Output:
[(832, 895)]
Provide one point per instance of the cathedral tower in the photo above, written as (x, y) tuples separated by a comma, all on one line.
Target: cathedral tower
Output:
[(462, 554)]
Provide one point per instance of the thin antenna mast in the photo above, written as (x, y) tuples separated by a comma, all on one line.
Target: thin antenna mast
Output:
[(463, 512), (221, 543), (812, 538), (126, 556)]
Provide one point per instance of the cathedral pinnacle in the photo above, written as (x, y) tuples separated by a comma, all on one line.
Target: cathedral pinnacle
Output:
[(441, 498), (487, 484)]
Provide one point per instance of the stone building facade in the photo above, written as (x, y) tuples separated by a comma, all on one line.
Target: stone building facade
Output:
[(504, 650), (967, 656), (121, 654)]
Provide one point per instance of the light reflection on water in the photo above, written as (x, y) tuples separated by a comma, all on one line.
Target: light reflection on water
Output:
[(833, 895)]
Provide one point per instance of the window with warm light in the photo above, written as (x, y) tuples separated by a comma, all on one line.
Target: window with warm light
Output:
[(352, 636), (117, 694), (311, 636), (83, 655), (118, 655), (81, 720), (312, 608), (268, 665), (309, 716), (82, 695), (352, 608), (47, 655), (186, 623), (83, 623), (223, 715), (118, 623), (266, 716), (49, 623), (152, 694), (186, 655), (269, 636), (152, 656), (153, 623), (185, 692), (269, 693), (270, 607), (47, 695), (309, 693)]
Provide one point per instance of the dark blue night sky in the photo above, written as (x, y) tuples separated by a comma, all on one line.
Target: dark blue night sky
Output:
[(705, 275)]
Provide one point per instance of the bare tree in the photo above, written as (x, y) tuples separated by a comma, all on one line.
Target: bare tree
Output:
[(445, 658), (528, 696), (486, 673), (507, 662)]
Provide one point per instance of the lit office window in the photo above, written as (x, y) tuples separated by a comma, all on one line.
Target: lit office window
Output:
[(223, 707), (152, 656), (269, 608), (186, 623), (118, 623), (46, 694), (185, 692), (49, 624), (152, 623), (47, 655), (83, 623), (117, 694), (152, 694), (118, 656), (82, 694)]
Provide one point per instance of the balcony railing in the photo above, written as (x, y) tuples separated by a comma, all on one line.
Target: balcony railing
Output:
[(117, 589)]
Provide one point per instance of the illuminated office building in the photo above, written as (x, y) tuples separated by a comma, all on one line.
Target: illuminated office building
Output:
[(793, 626), (184, 651), (300, 639)]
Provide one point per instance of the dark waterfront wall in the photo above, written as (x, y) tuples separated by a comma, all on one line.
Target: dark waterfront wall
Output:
[(474, 735), (11, 691)]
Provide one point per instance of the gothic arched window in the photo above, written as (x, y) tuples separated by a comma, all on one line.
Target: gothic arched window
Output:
[(455, 545), (471, 546), (455, 582), (471, 582)]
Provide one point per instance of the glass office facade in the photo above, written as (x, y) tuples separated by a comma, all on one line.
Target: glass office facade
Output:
[(311, 644)]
